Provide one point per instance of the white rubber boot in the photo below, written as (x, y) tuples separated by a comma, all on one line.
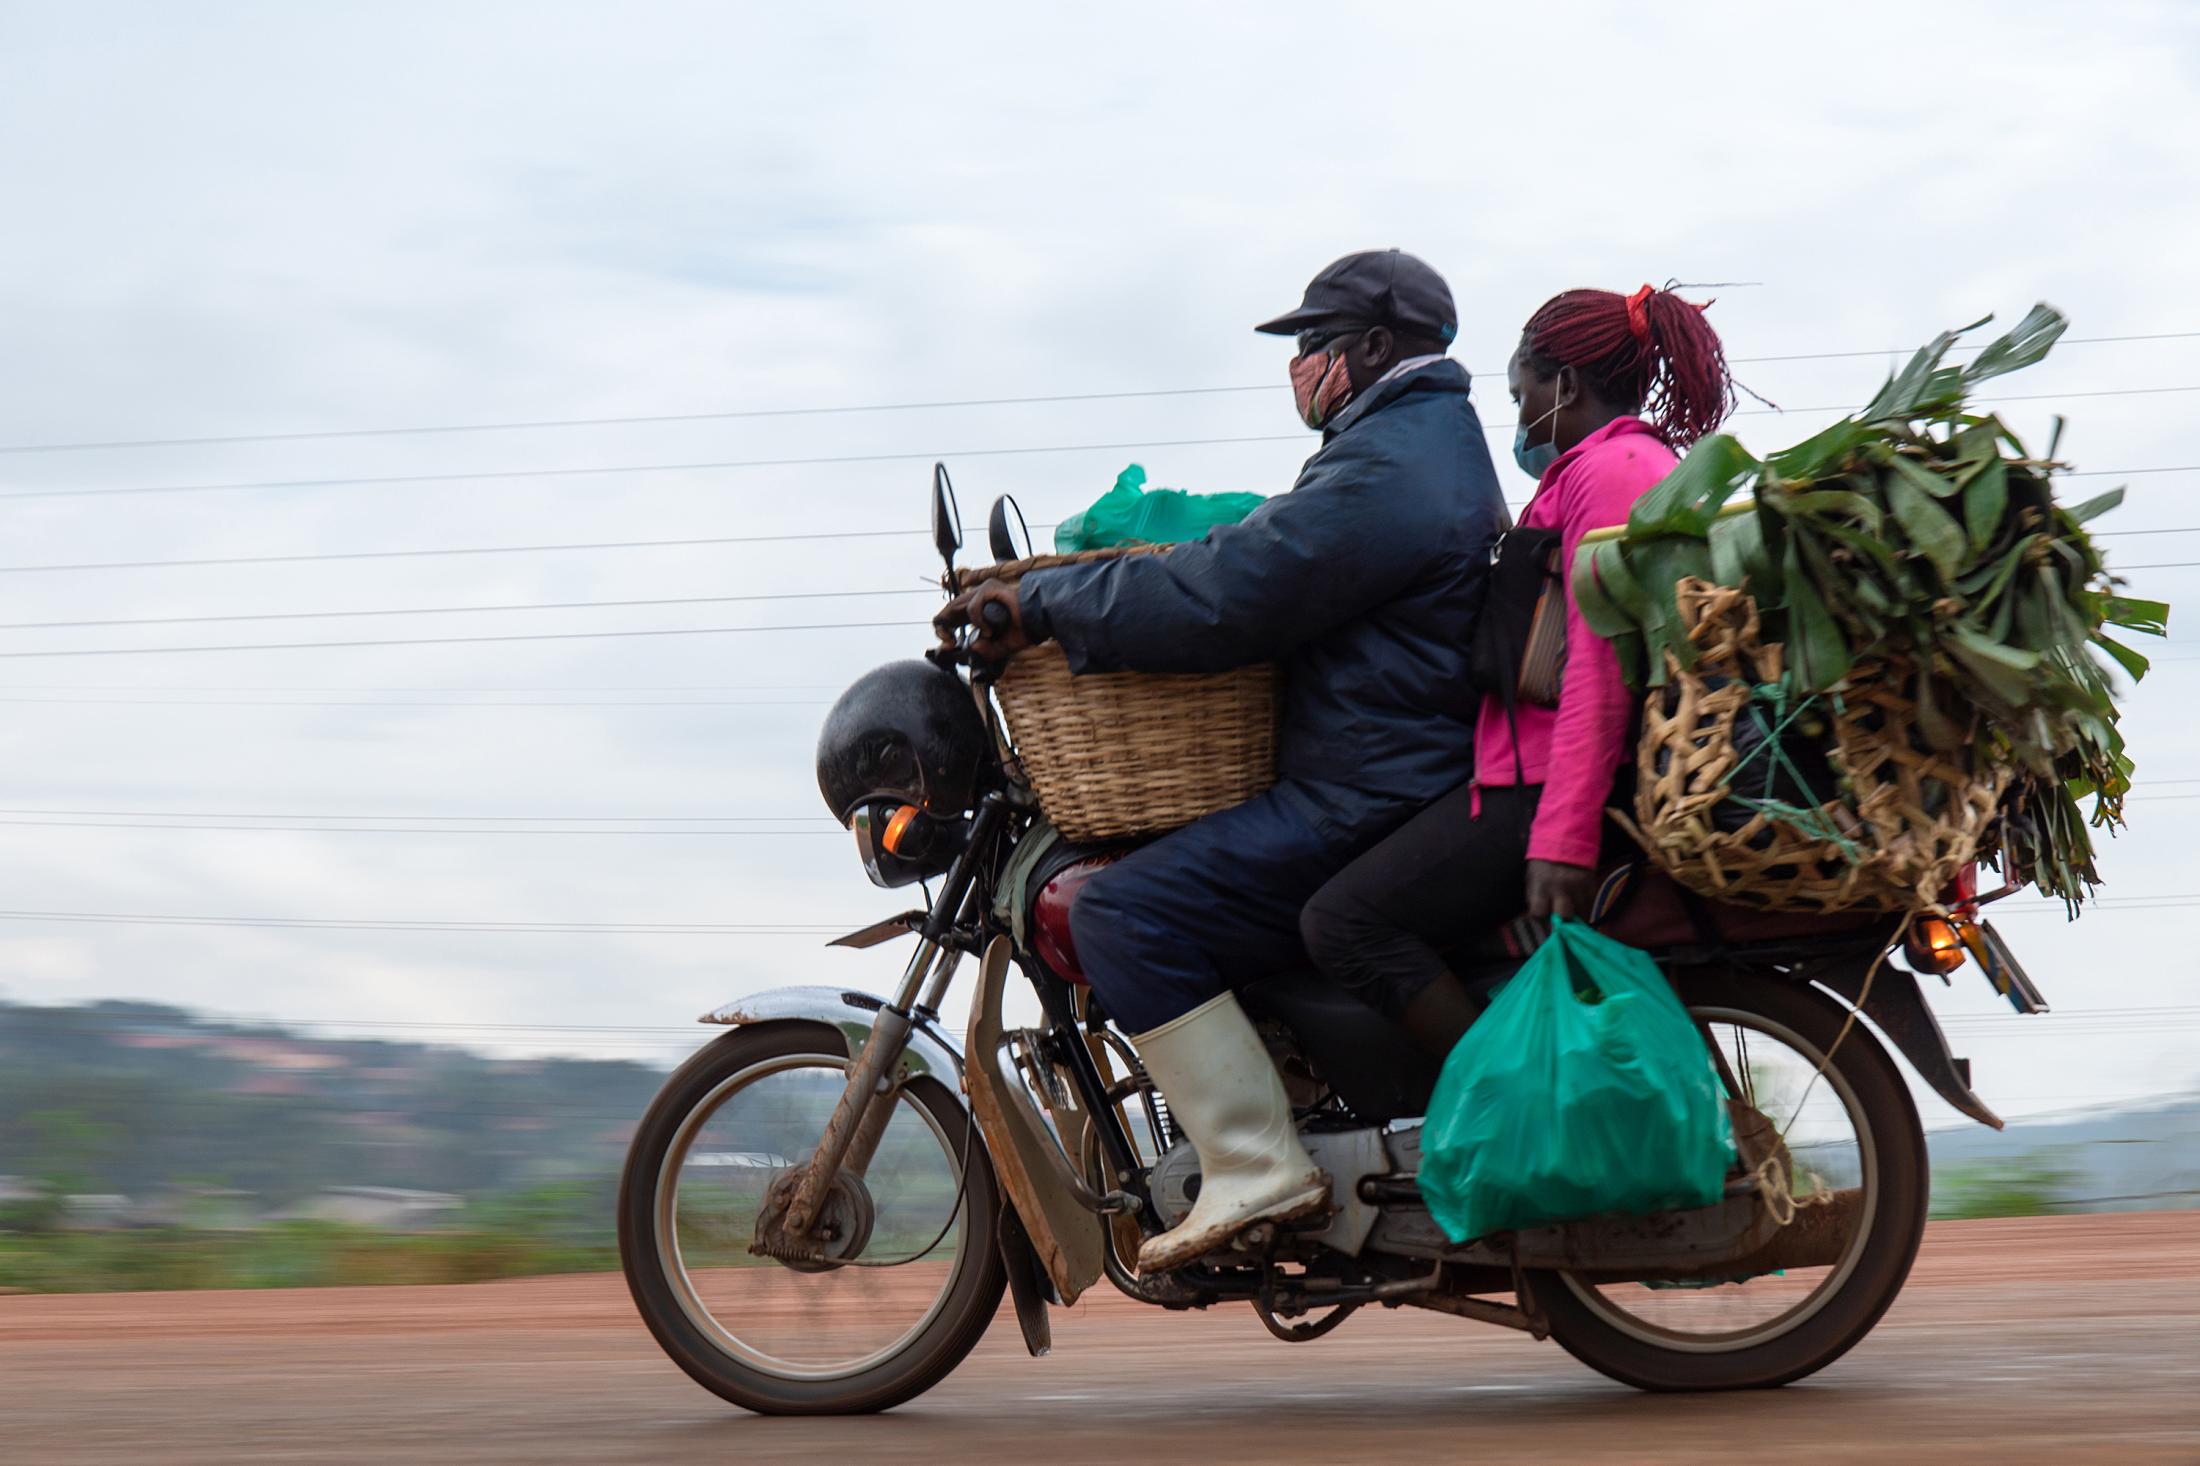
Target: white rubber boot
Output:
[(1228, 1099)]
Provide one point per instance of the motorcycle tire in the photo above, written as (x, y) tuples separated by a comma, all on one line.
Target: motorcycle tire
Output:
[(923, 1361), (1897, 1218)]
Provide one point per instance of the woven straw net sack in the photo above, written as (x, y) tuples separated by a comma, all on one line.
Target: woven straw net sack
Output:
[(1115, 755), (1904, 823)]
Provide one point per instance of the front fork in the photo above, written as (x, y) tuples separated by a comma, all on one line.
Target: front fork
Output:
[(866, 1106)]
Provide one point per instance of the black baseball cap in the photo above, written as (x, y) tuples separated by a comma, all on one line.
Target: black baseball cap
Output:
[(1377, 287)]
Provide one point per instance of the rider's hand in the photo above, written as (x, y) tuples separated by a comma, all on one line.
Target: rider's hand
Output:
[(1558, 889), (975, 607)]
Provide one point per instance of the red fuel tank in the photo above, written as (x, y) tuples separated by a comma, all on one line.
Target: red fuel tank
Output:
[(1050, 936)]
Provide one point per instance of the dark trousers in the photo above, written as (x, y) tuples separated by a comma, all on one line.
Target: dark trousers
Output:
[(1212, 906), (1439, 882)]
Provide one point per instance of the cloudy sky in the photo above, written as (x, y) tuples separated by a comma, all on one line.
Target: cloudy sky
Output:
[(236, 220)]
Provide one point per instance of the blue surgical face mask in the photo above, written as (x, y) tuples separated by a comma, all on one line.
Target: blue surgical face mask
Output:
[(1536, 461)]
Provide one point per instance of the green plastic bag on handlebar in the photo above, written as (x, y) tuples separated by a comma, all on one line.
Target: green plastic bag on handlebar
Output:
[(1132, 514), (1585, 1089)]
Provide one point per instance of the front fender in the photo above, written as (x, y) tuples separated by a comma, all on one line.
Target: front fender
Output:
[(852, 1014)]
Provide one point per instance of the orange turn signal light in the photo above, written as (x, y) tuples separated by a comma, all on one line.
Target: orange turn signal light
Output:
[(1935, 945), (897, 826)]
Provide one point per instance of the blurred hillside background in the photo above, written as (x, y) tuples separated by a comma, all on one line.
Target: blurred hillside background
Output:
[(144, 1147)]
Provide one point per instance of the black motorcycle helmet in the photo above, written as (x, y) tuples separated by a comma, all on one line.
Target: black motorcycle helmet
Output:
[(907, 733)]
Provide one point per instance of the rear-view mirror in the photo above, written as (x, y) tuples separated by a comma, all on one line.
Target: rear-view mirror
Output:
[(946, 516), (1006, 534)]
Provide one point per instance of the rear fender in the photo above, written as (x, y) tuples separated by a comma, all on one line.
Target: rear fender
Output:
[(1897, 1008), (850, 1015)]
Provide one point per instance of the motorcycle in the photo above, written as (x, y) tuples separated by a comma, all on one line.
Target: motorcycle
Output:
[(822, 1209)]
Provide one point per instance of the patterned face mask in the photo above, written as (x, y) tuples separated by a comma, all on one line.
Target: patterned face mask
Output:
[(1320, 385)]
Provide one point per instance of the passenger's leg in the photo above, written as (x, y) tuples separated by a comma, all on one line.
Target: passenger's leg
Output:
[(1380, 927)]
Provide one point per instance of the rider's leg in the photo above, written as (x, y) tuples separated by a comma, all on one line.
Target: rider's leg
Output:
[(1446, 877), (1224, 1093), (1162, 935), (1203, 909)]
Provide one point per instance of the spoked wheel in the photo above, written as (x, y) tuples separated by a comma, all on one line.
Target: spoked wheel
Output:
[(1859, 1183), (840, 1331)]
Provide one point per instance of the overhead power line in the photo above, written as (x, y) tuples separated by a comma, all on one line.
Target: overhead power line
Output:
[(491, 827), (639, 420), (204, 702), (762, 596), (323, 923), (422, 819), (732, 464), (316, 687), (719, 465), (809, 595), (593, 545), (537, 424), (2129, 472), (480, 817), (738, 539), (33, 1021), (286, 646), (319, 923), (407, 822), (388, 829), (1962, 346)]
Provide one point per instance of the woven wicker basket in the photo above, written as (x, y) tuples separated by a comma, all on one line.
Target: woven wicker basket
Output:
[(1113, 755), (1910, 820)]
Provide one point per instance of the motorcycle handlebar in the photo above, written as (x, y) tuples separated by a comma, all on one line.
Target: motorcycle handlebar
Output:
[(996, 619)]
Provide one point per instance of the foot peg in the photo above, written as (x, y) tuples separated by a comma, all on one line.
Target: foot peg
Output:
[(1257, 1238)]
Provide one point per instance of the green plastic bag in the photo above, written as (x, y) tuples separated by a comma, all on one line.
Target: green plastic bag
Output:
[(1132, 514), (1585, 1089)]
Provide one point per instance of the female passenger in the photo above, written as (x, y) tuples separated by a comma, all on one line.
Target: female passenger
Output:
[(1608, 387)]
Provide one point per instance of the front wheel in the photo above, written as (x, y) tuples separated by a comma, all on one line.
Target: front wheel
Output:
[(808, 1337), (1858, 1167)]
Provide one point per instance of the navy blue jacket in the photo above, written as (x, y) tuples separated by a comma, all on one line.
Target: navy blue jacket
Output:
[(1363, 582)]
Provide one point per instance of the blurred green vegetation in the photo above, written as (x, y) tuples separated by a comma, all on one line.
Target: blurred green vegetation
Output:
[(2024, 1186), (561, 1228), (287, 1255)]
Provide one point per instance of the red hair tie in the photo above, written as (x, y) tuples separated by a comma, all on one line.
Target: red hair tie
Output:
[(1638, 318)]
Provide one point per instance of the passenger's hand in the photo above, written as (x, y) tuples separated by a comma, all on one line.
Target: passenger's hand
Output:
[(1558, 889), (996, 610)]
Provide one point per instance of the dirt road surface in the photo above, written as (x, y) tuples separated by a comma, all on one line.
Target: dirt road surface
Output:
[(2070, 1339)]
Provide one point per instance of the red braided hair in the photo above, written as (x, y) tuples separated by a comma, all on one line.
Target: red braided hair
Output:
[(1652, 350)]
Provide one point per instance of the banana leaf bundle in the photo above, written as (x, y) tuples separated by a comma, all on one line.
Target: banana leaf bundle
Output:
[(1920, 533)]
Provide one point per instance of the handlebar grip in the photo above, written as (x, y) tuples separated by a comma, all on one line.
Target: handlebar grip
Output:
[(995, 616)]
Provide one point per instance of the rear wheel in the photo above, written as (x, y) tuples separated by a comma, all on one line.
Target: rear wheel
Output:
[(1858, 1159), (717, 1152)]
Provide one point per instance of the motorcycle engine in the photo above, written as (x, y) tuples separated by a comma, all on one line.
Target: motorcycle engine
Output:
[(1349, 1156)]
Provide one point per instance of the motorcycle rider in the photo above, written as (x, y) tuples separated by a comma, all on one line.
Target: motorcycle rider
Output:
[(1608, 386), (1363, 581)]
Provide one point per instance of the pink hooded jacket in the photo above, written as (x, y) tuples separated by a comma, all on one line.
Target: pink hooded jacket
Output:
[(1574, 749)]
